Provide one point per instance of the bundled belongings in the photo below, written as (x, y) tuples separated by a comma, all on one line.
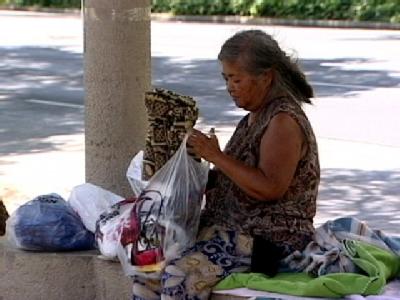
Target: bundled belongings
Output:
[(3, 217), (161, 221), (170, 116), (48, 223)]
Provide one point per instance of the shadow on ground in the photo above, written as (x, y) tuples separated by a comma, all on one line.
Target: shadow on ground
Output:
[(54, 75), (370, 196), (202, 79), (44, 74)]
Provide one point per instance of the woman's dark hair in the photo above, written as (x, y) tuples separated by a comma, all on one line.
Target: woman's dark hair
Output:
[(259, 52)]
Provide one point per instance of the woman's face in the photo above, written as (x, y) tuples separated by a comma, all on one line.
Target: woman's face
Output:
[(247, 90)]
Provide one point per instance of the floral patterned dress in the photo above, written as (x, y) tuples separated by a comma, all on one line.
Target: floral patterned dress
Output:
[(287, 220)]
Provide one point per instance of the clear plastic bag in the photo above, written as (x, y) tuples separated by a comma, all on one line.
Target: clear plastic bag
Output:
[(48, 223), (90, 201), (166, 215)]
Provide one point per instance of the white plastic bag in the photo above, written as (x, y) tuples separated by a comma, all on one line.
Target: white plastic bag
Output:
[(90, 201), (168, 211)]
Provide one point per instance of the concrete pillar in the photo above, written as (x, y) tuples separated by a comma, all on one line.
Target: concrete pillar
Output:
[(117, 72)]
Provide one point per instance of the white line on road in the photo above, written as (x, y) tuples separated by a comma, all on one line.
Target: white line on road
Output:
[(343, 85), (54, 103)]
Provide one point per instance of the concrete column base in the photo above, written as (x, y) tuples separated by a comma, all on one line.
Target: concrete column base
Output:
[(61, 276)]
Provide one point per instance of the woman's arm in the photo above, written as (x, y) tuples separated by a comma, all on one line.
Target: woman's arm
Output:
[(280, 151)]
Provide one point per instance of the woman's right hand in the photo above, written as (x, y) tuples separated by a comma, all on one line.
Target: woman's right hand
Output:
[(204, 146)]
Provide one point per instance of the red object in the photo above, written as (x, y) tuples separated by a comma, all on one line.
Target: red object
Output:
[(148, 257), (130, 235)]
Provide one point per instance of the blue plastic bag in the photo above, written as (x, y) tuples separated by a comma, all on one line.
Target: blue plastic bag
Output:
[(48, 223)]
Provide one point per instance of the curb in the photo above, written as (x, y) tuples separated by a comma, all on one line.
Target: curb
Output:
[(76, 11), (244, 20)]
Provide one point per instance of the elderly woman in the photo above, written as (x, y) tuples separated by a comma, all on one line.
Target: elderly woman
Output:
[(262, 198)]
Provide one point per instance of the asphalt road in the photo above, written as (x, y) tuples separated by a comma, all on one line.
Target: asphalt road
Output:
[(355, 114)]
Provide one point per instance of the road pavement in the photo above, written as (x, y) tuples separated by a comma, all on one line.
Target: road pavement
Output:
[(355, 74)]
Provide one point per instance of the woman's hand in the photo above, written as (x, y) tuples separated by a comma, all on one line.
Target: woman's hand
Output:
[(204, 146)]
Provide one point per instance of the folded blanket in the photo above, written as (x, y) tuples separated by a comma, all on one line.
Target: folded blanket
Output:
[(391, 292), (374, 256), (325, 254), (377, 264)]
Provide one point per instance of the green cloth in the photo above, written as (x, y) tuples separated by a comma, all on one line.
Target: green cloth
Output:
[(379, 266)]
